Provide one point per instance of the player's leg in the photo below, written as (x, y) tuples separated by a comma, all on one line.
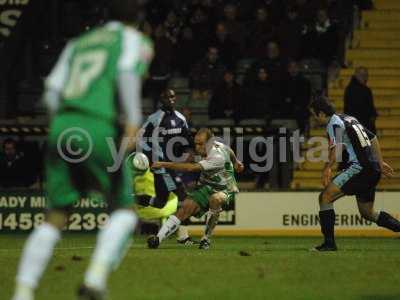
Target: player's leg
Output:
[(114, 238), (164, 184), (216, 201), (346, 183), (111, 245), (189, 208), (40, 245), (327, 216), (365, 204), (37, 252), (182, 232)]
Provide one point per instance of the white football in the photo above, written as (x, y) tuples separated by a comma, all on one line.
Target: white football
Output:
[(140, 162)]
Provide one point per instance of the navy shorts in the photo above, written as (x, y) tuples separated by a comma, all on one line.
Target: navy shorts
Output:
[(358, 181), (166, 183)]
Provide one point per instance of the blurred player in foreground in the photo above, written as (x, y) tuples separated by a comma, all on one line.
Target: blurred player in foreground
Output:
[(360, 178), (217, 186), (167, 130), (80, 94)]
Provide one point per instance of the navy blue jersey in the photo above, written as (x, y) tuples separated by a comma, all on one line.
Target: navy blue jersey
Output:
[(165, 136), (346, 130)]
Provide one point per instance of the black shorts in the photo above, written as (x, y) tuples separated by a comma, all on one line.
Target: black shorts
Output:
[(358, 181), (166, 183)]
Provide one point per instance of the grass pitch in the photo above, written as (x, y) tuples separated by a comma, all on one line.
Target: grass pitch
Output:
[(234, 268)]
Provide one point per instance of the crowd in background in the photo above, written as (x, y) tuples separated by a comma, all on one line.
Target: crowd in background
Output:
[(20, 164), (205, 41), (208, 42), (201, 40)]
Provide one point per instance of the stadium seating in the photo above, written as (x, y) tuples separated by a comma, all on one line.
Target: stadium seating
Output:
[(387, 4), (376, 45)]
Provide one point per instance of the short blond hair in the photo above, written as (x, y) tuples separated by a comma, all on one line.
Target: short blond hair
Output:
[(206, 131)]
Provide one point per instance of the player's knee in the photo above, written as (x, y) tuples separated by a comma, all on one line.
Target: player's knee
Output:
[(216, 200), (187, 210), (57, 218), (214, 203), (181, 215)]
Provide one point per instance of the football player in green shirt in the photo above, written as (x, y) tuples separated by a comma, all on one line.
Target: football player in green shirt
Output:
[(93, 95), (216, 187)]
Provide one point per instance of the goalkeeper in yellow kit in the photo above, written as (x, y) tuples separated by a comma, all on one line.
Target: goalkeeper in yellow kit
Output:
[(143, 185)]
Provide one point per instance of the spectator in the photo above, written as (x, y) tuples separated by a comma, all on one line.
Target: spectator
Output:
[(321, 40), (260, 32), (199, 22), (173, 27), (208, 72), (297, 96), (260, 96), (147, 28), (359, 101), (276, 9), (208, 6), (156, 10), (188, 50), (227, 48), (234, 28), (13, 167), (290, 34), (160, 69), (364, 4), (187, 113), (307, 9), (225, 98), (341, 13), (274, 63)]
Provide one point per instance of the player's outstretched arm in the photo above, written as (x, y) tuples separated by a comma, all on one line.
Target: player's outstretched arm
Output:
[(237, 164), (183, 167), (387, 170)]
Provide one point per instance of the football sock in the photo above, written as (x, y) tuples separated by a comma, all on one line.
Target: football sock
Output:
[(183, 233), (327, 221), (169, 227), (387, 221), (211, 222), (23, 292), (35, 257), (111, 243)]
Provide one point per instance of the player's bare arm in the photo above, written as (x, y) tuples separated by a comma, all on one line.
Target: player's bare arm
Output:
[(334, 152), (130, 135), (237, 164), (183, 167), (327, 171), (387, 170)]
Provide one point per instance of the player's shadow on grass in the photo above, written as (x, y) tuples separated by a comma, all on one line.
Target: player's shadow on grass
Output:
[(380, 297)]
